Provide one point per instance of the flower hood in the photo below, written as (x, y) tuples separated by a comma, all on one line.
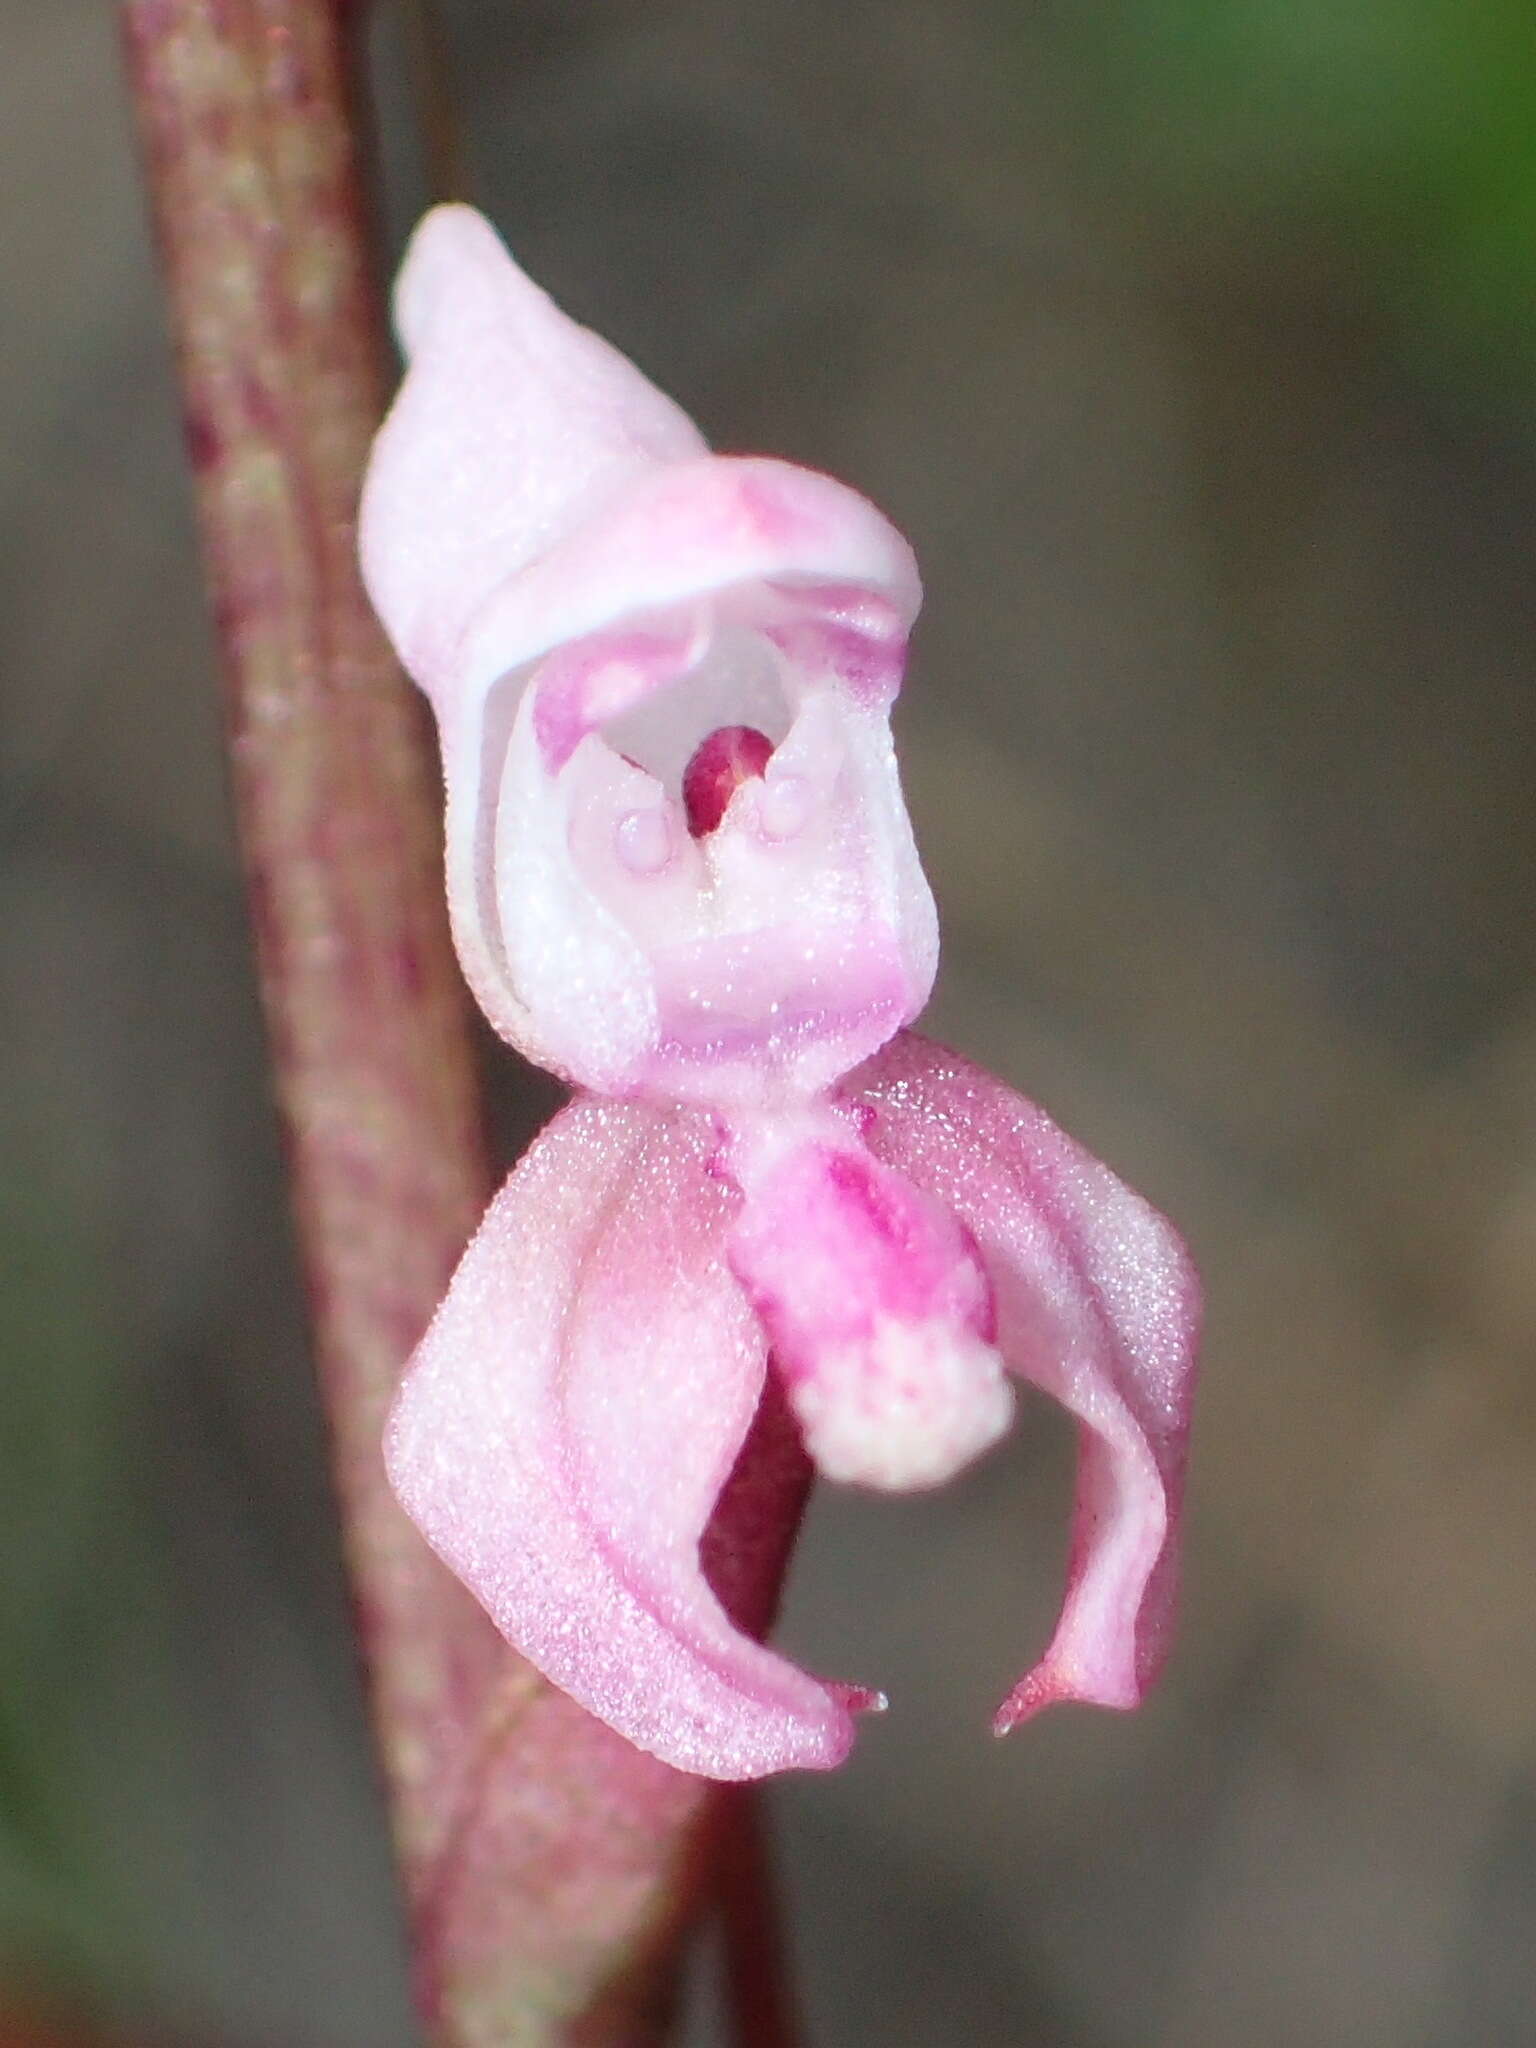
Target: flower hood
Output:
[(588, 597)]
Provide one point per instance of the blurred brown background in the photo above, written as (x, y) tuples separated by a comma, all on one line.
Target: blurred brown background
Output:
[(1193, 345)]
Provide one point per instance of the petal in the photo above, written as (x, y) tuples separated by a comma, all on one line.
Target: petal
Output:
[(684, 531), (1098, 1305), (512, 425), (531, 486), (538, 518), (568, 1422)]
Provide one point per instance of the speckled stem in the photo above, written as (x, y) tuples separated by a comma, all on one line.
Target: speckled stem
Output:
[(548, 1866), (252, 178)]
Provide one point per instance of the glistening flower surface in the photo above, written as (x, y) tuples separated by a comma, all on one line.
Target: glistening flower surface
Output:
[(681, 876)]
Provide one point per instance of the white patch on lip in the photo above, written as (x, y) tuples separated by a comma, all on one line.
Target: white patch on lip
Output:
[(907, 1408), (784, 805), (644, 841)]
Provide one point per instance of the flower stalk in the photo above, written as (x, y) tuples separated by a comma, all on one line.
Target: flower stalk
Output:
[(548, 1867)]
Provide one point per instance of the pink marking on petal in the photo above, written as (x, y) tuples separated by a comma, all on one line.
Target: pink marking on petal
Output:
[(1098, 1306), (782, 518), (581, 688), (721, 763), (869, 666), (568, 1423)]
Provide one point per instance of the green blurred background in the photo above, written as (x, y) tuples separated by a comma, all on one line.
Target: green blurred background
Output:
[(1195, 346)]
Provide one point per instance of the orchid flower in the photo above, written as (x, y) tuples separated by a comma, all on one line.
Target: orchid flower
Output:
[(681, 876)]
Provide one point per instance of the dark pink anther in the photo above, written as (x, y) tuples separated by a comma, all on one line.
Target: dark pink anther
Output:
[(726, 758)]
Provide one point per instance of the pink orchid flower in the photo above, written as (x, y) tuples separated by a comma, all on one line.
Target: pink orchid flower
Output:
[(682, 877)]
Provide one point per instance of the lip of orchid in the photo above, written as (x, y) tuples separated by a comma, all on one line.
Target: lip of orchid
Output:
[(580, 1397), (877, 1303)]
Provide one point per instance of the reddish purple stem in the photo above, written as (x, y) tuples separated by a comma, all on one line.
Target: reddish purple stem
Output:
[(758, 2001), (549, 1868)]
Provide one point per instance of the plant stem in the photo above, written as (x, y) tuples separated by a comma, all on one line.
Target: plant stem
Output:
[(442, 141), (758, 1999), (549, 1868), (251, 168)]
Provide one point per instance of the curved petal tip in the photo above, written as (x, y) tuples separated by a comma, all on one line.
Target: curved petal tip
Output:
[(1097, 1306), (453, 262), (1048, 1686)]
